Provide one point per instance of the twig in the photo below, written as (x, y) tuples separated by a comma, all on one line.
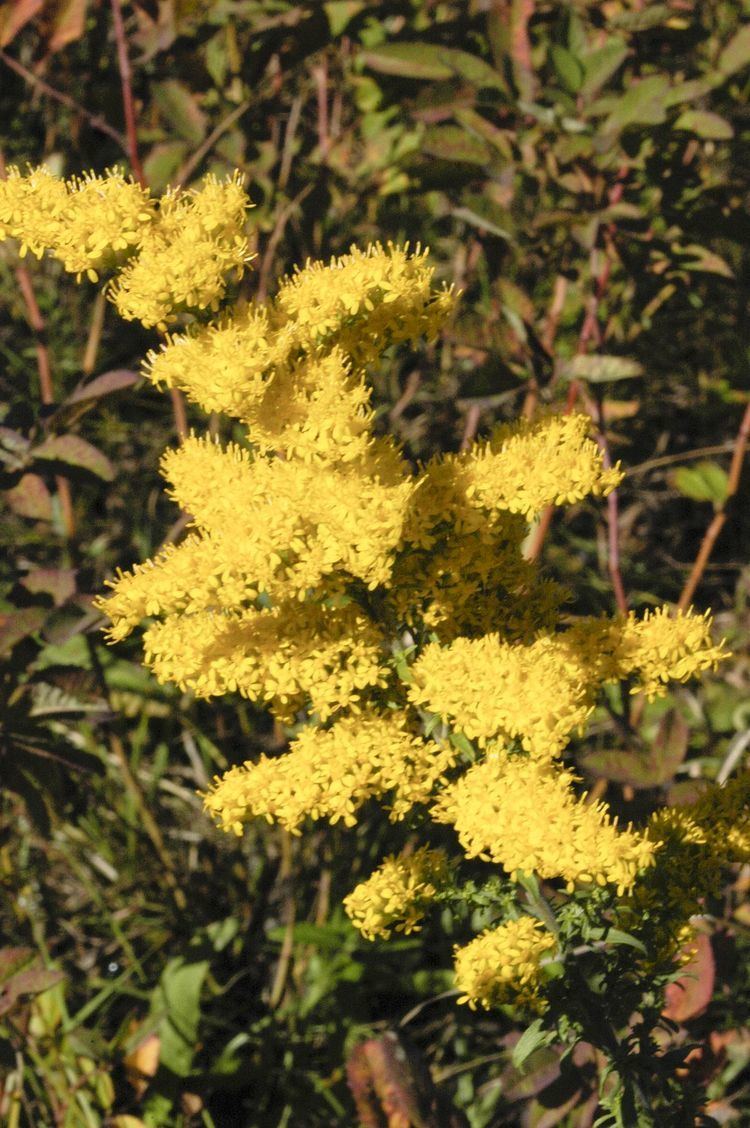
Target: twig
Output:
[(287, 944), (684, 456), (275, 238), (193, 161), (471, 426), (128, 109), (287, 152), (613, 515), (320, 74), (88, 364), (128, 106), (94, 120), (720, 516), (413, 380)]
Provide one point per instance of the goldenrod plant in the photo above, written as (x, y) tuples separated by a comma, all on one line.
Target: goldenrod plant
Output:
[(386, 613)]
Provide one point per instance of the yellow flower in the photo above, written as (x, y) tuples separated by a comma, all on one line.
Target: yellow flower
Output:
[(502, 965), (364, 301), (330, 773), (664, 647), (187, 255), (396, 896), (295, 656), (523, 814), (223, 366), (522, 469), (89, 223), (539, 692)]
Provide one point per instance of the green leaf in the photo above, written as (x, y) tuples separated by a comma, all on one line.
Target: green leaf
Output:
[(340, 13), (177, 998), (599, 369), (736, 54), (453, 143), (705, 124), (706, 481), (73, 451), (533, 1038), (642, 104), (482, 222), (568, 68), (617, 937), (162, 163), (180, 108), (600, 65), (430, 61)]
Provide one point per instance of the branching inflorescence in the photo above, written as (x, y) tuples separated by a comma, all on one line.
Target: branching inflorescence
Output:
[(388, 612)]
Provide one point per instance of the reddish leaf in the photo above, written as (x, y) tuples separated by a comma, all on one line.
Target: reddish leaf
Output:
[(68, 25), (14, 14), (104, 385), (17, 625), (689, 995), (60, 583), (73, 451), (30, 498)]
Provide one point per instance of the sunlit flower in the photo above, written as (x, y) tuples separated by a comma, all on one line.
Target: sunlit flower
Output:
[(523, 815), (502, 965), (395, 897)]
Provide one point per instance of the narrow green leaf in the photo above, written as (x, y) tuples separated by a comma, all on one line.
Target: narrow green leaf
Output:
[(736, 54), (533, 1038), (600, 65), (179, 107), (705, 124), (568, 68), (617, 937)]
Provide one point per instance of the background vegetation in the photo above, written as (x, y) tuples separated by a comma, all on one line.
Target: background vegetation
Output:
[(580, 170)]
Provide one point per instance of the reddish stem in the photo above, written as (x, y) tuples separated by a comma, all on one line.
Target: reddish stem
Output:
[(719, 519), (128, 106)]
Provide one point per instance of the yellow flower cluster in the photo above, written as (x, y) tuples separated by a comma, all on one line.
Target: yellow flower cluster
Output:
[(89, 223), (541, 691), (176, 257), (294, 656), (187, 256), (320, 563), (329, 774), (396, 895), (364, 301), (522, 814), (502, 965)]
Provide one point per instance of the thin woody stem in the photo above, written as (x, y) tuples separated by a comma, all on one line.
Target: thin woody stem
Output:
[(131, 131), (95, 120), (613, 515), (128, 106), (719, 519)]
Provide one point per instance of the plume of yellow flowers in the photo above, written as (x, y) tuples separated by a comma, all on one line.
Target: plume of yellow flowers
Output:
[(502, 965), (396, 896), (386, 610)]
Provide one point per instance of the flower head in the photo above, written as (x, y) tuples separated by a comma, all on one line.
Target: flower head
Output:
[(502, 965), (396, 895)]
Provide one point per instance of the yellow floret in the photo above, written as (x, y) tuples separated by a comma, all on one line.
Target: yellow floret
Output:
[(395, 897), (502, 965)]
